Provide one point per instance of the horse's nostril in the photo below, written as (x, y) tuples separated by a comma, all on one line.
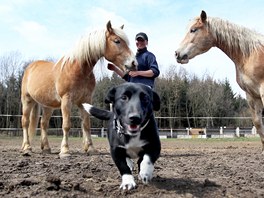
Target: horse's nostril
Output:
[(176, 53), (185, 56)]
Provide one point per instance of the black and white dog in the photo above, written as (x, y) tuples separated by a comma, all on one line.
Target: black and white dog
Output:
[(132, 130)]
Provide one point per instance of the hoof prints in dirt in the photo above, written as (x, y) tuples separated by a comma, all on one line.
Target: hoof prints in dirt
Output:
[(185, 169)]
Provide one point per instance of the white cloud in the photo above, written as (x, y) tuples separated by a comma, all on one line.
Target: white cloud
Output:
[(6, 13), (46, 27), (5, 9), (32, 31), (98, 16)]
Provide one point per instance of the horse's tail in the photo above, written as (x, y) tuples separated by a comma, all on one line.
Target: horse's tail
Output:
[(98, 113), (34, 118)]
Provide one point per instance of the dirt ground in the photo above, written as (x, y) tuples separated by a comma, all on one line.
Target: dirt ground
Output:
[(186, 168)]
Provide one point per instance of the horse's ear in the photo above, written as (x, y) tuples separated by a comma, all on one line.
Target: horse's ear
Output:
[(109, 26), (203, 16), (122, 27), (156, 101), (110, 96)]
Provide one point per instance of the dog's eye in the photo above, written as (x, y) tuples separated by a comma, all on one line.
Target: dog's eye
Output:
[(124, 97)]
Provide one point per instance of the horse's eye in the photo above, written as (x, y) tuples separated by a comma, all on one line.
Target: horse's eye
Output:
[(117, 41), (193, 30)]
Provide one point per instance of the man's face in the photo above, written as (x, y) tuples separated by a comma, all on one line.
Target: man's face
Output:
[(141, 43)]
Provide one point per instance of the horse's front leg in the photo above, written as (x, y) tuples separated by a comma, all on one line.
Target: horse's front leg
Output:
[(66, 125), (47, 112), (256, 108), (86, 128)]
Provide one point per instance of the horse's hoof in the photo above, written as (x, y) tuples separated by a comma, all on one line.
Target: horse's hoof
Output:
[(46, 151), (26, 148), (92, 151), (27, 152), (64, 155)]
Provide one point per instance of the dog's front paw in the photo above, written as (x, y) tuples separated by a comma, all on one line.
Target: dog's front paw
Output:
[(128, 182), (146, 170), (145, 176)]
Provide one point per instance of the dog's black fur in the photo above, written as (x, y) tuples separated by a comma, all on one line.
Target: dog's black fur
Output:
[(132, 130)]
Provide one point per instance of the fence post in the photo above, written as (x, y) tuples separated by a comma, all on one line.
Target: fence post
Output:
[(171, 133), (253, 130), (237, 132), (102, 132), (221, 130), (188, 131)]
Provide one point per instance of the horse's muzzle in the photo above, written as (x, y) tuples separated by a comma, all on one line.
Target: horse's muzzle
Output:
[(133, 67), (181, 59)]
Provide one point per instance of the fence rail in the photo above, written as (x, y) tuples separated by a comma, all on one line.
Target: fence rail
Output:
[(164, 133), (11, 125)]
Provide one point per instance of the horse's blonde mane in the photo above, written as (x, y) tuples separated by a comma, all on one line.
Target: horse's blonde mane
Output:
[(90, 48), (236, 37)]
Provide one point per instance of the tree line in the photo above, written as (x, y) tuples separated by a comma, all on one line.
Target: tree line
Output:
[(185, 98)]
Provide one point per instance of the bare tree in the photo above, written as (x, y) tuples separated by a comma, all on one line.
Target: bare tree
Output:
[(10, 68)]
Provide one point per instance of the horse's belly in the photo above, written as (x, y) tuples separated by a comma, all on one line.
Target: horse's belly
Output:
[(45, 94), (46, 98), (47, 101)]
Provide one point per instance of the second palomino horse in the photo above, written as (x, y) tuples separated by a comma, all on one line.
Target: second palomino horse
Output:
[(243, 46)]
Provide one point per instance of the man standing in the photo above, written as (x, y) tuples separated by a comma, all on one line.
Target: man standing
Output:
[(148, 68)]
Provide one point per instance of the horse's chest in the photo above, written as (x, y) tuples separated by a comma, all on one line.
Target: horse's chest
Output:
[(248, 84)]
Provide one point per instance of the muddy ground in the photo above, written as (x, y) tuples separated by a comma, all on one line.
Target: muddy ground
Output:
[(186, 168)]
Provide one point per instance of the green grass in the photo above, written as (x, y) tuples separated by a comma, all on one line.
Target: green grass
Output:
[(240, 139), (59, 138)]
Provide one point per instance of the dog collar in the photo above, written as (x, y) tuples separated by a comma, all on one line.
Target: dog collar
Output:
[(119, 128)]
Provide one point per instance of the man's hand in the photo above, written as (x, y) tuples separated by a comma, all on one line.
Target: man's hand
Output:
[(133, 73)]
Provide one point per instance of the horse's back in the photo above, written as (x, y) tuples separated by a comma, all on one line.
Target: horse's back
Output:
[(38, 66), (37, 73)]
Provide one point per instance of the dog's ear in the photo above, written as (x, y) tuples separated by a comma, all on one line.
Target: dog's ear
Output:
[(156, 101), (110, 96)]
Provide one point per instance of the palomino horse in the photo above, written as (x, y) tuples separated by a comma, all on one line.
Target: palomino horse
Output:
[(243, 46), (70, 82)]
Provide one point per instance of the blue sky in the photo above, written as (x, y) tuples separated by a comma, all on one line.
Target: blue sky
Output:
[(49, 28)]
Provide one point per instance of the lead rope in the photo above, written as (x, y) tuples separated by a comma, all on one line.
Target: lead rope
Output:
[(144, 125)]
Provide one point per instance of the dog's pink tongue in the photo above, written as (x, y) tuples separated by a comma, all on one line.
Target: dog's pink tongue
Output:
[(133, 127)]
